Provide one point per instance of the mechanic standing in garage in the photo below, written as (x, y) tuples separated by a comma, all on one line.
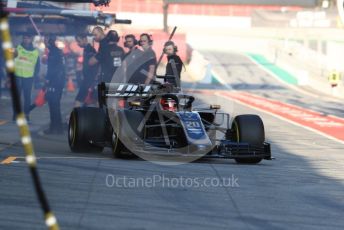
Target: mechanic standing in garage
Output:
[(146, 62), (89, 73), (27, 66), (55, 81), (174, 64), (109, 56)]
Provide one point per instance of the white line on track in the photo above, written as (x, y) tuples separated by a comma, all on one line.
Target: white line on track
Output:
[(282, 118)]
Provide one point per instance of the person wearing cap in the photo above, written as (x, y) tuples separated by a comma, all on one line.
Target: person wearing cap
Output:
[(174, 64), (27, 65), (109, 55), (55, 82)]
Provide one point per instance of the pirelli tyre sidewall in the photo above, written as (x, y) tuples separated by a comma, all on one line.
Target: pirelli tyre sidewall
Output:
[(125, 123), (250, 129), (86, 128), (116, 145)]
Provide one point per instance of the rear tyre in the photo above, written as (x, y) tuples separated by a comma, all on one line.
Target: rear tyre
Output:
[(125, 129), (250, 129), (117, 146), (86, 126)]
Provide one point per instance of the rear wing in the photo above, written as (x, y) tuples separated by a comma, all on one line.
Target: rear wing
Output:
[(124, 90)]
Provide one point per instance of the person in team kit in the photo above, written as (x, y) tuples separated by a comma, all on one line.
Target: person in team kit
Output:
[(131, 58), (55, 81), (89, 73), (174, 64), (145, 63), (109, 55)]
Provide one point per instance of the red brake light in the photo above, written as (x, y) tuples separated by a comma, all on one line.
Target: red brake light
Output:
[(121, 103)]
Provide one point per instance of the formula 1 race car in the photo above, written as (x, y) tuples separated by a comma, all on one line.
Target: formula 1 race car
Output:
[(158, 122)]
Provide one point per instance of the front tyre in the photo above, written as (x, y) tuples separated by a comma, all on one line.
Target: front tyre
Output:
[(250, 129)]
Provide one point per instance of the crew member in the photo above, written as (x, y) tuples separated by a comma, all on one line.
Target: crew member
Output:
[(89, 73), (109, 56), (55, 81), (117, 55), (131, 57), (174, 65), (145, 63), (130, 43), (27, 66)]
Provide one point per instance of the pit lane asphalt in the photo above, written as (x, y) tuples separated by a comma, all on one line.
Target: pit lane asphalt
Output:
[(301, 189)]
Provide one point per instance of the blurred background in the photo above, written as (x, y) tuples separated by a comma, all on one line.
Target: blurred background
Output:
[(303, 37)]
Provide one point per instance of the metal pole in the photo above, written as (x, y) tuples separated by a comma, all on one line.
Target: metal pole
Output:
[(165, 11)]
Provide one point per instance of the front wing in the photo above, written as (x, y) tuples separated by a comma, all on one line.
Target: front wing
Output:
[(230, 149)]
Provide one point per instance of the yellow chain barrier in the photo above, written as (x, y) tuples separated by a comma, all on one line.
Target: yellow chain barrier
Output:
[(50, 219)]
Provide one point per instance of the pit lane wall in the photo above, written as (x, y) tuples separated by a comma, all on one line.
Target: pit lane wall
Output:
[(290, 61), (309, 67)]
